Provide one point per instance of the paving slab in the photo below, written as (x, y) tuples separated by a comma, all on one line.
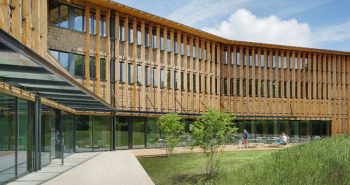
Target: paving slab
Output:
[(115, 167)]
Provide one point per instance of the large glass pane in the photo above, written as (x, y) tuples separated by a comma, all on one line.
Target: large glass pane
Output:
[(153, 132), (83, 134), (79, 65), (63, 21), (138, 133), (304, 129), (102, 133), (316, 129), (54, 13), (121, 133), (47, 137), (294, 129), (67, 122), (78, 19), (7, 138), (103, 69), (25, 136)]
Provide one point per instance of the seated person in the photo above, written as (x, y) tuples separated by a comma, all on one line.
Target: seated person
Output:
[(283, 140)]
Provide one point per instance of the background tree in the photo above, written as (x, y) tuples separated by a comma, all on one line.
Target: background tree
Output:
[(172, 128), (209, 133)]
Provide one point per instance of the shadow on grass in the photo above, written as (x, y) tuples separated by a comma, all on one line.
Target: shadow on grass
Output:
[(189, 179)]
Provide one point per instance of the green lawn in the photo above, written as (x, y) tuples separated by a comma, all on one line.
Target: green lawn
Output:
[(325, 162), (190, 168)]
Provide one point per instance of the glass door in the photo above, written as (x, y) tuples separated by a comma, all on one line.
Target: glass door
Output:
[(138, 133)]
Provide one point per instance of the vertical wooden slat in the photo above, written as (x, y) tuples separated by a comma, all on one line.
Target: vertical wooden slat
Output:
[(97, 54), (117, 60), (143, 67), (87, 47), (108, 57), (125, 93), (134, 61)]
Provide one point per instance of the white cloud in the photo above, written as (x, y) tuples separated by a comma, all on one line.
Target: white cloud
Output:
[(245, 26), (195, 11), (334, 33)]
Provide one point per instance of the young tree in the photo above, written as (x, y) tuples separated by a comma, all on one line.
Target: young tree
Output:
[(209, 133), (172, 128)]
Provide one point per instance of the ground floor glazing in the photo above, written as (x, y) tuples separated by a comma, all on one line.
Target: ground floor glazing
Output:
[(31, 134)]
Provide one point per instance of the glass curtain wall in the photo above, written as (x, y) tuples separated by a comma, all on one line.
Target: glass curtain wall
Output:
[(12, 133), (122, 133), (67, 128), (304, 129), (102, 126), (7, 138), (25, 136), (47, 135), (153, 132), (138, 132), (93, 133)]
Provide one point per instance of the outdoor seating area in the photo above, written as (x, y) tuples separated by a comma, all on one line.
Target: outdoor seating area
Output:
[(270, 142)]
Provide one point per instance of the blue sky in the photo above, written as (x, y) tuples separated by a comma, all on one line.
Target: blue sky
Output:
[(309, 23)]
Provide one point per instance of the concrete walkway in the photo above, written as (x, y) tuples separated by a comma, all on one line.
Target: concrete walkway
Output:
[(115, 167), (54, 169)]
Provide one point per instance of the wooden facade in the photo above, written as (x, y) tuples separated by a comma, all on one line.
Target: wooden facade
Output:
[(189, 70)]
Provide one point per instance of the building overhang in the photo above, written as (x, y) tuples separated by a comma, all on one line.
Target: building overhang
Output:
[(24, 69)]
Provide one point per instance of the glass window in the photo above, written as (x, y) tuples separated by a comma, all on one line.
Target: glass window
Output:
[(168, 79), (78, 20), (162, 43), (103, 68), (250, 88), (79, 65), (138, 36), (262, 88), (168, 45), (244, 86), (182, 49), (92, 68), (225, 57), (83, 134), (182, 81), (175, 80), (139, 83), (154, 41), (103, 26), (238, 87), (225, 86), (250, 60), (188, 50), (162, 78), (130, 34), (238, 62), (231, 86), (147, 76), (138, 132), (7, 138), (154, 77), (63, 16), (130, 73), (54, 13), (188, 82), (102, 126), (122, 133), (231, 58), (63, 59), (194, 83), (121, 72), (92, 23), (121, 31), (262, 60)]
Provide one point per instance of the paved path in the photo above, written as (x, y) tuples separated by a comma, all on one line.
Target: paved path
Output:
[(99, 168), (116, 167), (54, 169)]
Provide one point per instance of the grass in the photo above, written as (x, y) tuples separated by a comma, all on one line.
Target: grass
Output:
[(190, 168), (325, 162)]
